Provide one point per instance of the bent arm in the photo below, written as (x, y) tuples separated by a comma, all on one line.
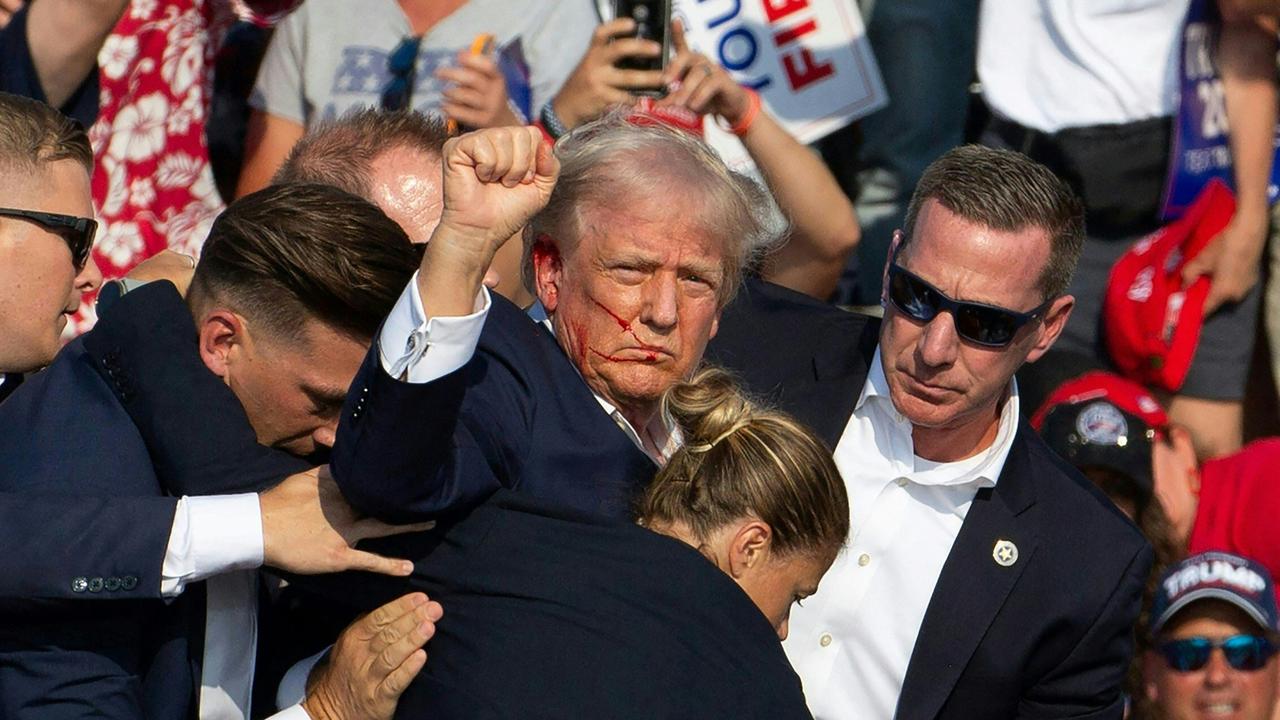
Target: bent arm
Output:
[(824, 229), (65, 36)]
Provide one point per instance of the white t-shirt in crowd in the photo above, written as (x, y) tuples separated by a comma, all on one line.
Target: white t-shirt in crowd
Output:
[(330, 56), (1053, 64)]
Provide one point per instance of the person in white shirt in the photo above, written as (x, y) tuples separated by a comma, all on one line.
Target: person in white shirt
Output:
[(982, 578)]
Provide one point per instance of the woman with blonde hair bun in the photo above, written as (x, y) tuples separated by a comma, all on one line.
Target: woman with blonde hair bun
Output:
[(753, 491), (552, 612)]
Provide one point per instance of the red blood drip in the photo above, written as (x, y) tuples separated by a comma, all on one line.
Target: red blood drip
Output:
[(616, 318)]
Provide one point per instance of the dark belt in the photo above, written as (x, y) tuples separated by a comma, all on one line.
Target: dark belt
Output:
[(1118, 170)]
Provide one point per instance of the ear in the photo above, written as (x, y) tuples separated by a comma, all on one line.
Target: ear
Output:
[(749, 547), (1151, 665), (547, 271), (715, 325), (222, 333), (888, 260), (1055, 319), (1184, 450)]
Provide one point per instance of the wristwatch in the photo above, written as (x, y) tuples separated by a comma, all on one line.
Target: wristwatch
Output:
[(113, 290)]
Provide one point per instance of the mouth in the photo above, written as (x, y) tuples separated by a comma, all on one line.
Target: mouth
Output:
[(1219, 709), (646, 355), (928, 390)]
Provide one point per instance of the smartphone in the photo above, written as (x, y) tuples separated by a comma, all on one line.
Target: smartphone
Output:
[(653, 22)]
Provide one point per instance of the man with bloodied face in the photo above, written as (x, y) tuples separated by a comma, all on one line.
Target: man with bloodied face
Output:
[(632, 257)]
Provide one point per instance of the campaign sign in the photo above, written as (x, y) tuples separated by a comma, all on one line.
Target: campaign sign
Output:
[(1201, 140), (809, 60)]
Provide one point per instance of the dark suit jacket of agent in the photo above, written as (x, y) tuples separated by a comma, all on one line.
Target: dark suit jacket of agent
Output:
[(555, 613), (68, 439), (1048, 637), (517, 415)]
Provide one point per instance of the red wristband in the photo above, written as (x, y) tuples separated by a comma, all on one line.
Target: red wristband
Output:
[(748, 118)]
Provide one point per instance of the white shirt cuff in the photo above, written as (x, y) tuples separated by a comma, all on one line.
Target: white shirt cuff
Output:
[(293, 686), (293, 712), (408, 333), (210, 536)]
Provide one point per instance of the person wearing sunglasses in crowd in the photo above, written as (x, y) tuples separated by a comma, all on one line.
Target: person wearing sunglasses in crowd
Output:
[(1214, 640), (330, 56), (984, 578)]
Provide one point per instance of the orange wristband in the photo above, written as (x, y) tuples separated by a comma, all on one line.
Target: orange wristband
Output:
[(748, 118)]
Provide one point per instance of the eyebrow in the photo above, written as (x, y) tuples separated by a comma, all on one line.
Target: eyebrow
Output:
[(325, 397)]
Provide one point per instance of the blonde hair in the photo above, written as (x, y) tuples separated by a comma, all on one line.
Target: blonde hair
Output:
[(742, 460)]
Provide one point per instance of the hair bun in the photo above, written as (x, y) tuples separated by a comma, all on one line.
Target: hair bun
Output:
[(708, 407)]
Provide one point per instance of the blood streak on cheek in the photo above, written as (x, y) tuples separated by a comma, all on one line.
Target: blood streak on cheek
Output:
[(626, 327)]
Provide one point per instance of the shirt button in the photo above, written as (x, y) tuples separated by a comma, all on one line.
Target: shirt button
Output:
[(864, 560), (902, 482), (825, 640)]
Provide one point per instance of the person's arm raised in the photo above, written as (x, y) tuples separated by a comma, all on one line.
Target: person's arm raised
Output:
[(65, 37), (495, 180)]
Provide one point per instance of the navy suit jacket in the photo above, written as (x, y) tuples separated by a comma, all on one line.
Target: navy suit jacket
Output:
[(554, 613), (517, 415), (69, 435), (1050, 636)]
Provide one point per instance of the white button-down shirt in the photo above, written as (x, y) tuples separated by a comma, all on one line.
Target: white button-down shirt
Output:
[(851, 642)]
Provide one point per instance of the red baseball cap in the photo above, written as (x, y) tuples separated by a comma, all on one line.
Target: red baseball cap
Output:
[(1101, 419), (1151, 322)]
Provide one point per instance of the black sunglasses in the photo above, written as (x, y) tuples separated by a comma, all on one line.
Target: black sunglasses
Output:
[(1243, 652), (401, 63), (78, 232), (986, 325)]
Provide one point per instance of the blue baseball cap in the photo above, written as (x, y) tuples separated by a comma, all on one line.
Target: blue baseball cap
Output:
[(1216, 576)]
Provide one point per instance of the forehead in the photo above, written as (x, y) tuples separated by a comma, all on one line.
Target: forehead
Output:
[(661, 232), (61, 186), (1212, 618), (971, 261)]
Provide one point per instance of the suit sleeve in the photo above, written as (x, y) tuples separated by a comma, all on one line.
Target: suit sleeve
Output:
[(195, 429), (80, 547), (1087, 684), (413, 451)]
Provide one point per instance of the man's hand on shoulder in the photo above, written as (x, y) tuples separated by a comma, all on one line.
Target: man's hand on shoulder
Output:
[(373, 662), (308, 528), (495, 180)]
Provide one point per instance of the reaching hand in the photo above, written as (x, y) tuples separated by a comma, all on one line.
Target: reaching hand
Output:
[(596, 83), (699, 84), (373, 662), (308, 528), (478, 97), (1232, 259)]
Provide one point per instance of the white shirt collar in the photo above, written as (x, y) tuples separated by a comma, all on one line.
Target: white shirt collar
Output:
[(662, 429), (981, 470)]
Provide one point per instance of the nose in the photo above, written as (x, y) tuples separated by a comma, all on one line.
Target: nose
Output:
[(324, 436), (89, 278), (1217, 673), (939, 344), (660, 310)]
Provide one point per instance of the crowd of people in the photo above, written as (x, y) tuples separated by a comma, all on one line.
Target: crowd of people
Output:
[(479, 385)]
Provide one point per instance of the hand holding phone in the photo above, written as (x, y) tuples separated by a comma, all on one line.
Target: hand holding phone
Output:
[(652, 20)]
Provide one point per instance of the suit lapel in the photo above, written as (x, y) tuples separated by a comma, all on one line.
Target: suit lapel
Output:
[(826, 403), (972, 587)]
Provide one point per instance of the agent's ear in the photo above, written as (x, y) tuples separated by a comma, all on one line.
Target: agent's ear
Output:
[(1151, 665), (888, 262), (222, 337), (1055, 320), (749, 548), (548, 268)]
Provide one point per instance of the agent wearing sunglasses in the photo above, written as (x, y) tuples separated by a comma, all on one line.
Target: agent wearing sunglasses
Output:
[(46, 232), (949, 598), (1214, 629)]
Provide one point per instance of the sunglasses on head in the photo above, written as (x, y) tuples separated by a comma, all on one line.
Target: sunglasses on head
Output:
[(986, 325), (1243, 652), (401, 63), (78, 232)]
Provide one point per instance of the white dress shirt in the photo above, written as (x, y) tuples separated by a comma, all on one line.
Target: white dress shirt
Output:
[(430, 348), (851, 642)]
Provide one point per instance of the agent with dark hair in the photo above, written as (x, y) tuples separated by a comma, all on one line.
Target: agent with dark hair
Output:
[(555, 613), (984, 578), (279, 280)]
